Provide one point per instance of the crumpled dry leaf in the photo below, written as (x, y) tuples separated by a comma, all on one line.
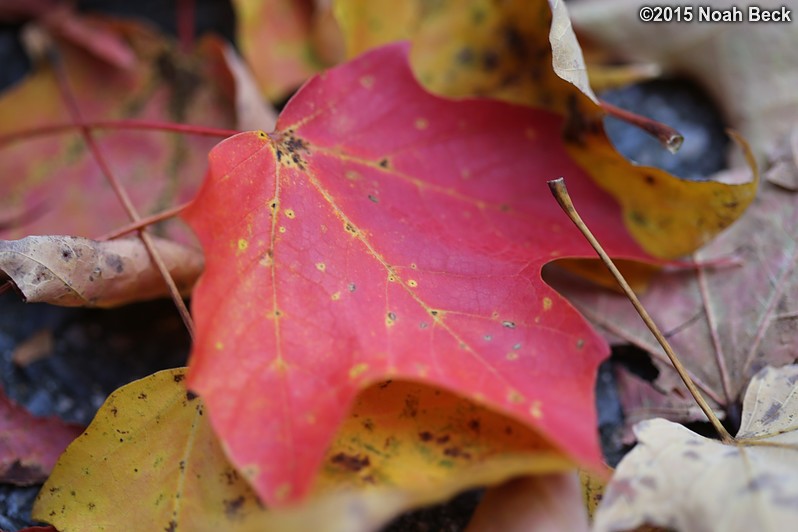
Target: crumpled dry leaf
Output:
[(677, 479), (726, 322), (749, 68), (78, 272)]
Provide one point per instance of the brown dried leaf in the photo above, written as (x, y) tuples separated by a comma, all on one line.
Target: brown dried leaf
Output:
[(679, 480), (73, 271), (726, 323)]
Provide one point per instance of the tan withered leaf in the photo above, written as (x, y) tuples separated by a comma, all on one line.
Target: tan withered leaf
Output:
[(78, 272), (749, 68), (677, 479), (726, 323)]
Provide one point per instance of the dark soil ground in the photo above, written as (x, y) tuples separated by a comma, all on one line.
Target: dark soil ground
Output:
[(94, 352)]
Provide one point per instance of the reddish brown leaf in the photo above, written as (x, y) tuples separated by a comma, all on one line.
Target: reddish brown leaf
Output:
[(30, 446), (53, 184), (385, 232)]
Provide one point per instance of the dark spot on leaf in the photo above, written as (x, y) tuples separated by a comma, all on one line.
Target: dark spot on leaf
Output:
[(456, 452), (638, 218), (142, 395), (508, 430), (411, 406), (182, 465), (114, 410), (115, 262), (375, 199), (295, 158), (465, 56), (172, 526), (433, 312), (425, 436), (442, 439), (731, 204), (384, 163), (66, 254), (54, 490), (352, 287), (91, 506), (515, 43), (650, 179), (135, 469), (392, 316), (490, 60), (179, 378), (352, 463), (368, 424), (508, 324), (474, 425), (230, 476), (191, 395), (279, 155), (121, 440), (232, 507), (385, 384)]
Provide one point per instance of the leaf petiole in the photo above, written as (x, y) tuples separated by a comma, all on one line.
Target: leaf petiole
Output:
[(560, 192)]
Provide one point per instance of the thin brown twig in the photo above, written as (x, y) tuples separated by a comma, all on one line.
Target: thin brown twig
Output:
[(559, 191), (126, 125), (665, 134), (144, 222), (74, 110)]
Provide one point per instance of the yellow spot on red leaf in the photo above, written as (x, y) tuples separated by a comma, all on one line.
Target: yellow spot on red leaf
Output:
[(290, 213), (412, 284), (535, 410), (282, 491), (512, 355), (358, 370), (242, 244), (219, 346), (514, 397), (367, 81), (281, 229), (547, 303), (421, 123), (336, 296), (321, 266)]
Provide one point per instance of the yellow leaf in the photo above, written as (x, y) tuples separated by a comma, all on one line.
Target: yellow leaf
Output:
[(149, 461)]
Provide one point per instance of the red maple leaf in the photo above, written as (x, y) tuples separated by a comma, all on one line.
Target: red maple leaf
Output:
[(383, 232)]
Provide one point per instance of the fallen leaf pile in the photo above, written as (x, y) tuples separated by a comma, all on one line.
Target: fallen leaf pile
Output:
[(371, 331)]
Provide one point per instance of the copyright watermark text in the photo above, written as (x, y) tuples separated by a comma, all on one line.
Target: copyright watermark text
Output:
[(708, 14)]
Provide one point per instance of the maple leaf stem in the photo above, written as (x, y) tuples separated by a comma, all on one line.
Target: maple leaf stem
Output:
[(150, 125), (557, 187), (666, 135), (144, 222), (68, 97)]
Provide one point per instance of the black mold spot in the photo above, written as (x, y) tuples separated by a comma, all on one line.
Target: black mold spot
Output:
[(368, 425), (114, 410), (352, 463), (465, 56), (66, 254), (179, 378), (384, 163), (375, 199), (172, 526), (115, 262), (425, 436), (142, 395), (385, 384), (474, 425), (191, 395), (442, 439), (490, 60), (232, 507), (650, 179), (182, 465), (456, 452)]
